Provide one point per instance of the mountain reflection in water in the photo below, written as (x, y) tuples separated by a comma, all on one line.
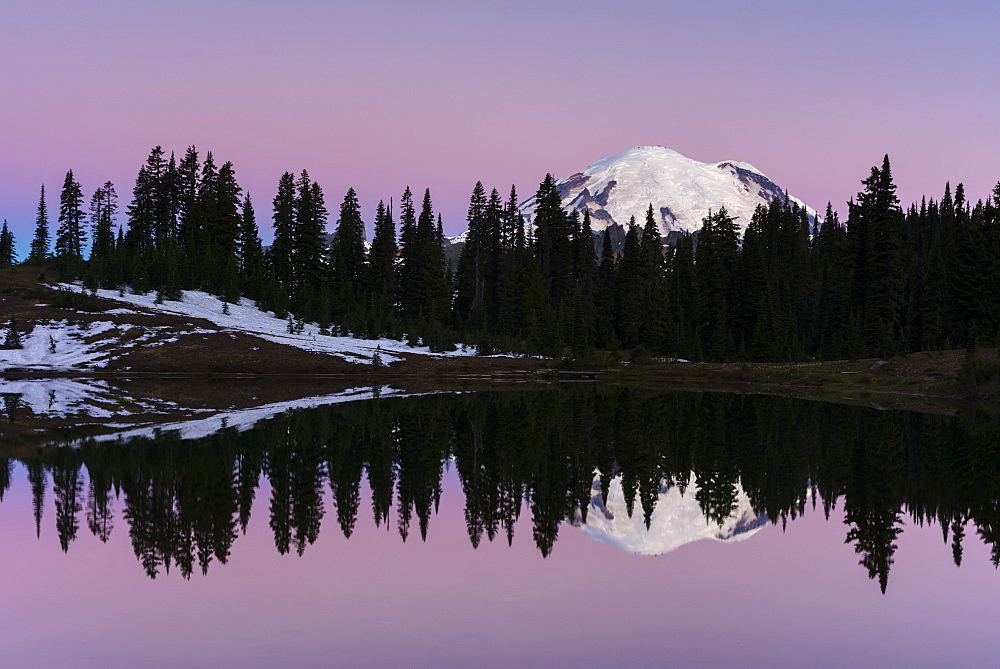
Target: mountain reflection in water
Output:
[(642, 469)]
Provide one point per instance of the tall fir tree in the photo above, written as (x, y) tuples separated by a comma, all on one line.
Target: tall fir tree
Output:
[(39, 251), (281, 255), (103, 209), (251, 252), (348, 260), (410, 260), (382, 278), (308, 248), (553, 233), (470, 274), (874, 227), (70, 233), (8, 257)]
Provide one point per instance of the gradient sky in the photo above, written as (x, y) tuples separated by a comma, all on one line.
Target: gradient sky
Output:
[(794, 598), (440, 94)]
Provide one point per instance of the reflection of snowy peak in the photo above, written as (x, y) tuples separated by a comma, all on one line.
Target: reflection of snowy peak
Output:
[(681, 190), (677, 520)]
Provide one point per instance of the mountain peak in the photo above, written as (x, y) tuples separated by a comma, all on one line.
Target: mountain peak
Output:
[(682, 190)]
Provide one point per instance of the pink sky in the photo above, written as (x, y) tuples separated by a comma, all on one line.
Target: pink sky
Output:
[(381, 95), (776, 599)]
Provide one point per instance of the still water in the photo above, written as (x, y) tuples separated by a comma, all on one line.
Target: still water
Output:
[(591, 525)]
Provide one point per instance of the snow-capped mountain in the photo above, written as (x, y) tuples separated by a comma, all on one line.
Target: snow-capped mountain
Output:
[(677, 520), (681, 190)]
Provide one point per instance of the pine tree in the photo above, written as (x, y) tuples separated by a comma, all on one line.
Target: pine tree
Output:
[(553, 232), (251, 252), (605, 293), (715, 270), (70, 234), (189, 223), (382, 268), (225, 236), (151, 217), (874, 227), (7, 255), (307, 237), (103, 209), (348, 258), (471, 272), (12, 340), (40, 242), (629, 283), (652, 267), (281, 254), (410, 260)]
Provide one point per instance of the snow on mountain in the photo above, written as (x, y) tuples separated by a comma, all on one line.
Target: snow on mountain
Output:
[(677, 520), (681, 190)]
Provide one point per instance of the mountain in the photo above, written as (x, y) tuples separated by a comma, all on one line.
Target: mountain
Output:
[(681, 190), (677, 520)]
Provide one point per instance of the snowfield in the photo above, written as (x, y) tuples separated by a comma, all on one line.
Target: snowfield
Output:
[(79, 346), (245, 317), (61, 345)]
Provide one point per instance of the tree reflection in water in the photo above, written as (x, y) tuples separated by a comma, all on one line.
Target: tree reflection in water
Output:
[(184, 502)]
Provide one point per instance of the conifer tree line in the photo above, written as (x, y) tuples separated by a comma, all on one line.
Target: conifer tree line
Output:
[(882, 282)]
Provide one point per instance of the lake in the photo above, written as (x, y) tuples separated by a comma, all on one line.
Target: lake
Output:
[(585, 524)]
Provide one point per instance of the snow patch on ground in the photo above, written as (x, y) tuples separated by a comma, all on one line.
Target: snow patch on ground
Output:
[(247, 318), (70, 344), (61, 345)]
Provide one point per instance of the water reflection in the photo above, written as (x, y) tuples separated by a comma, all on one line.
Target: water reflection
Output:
[(645, 470)]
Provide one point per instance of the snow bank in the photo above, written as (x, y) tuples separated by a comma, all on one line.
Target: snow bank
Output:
[(60, 345), (245, 317), (69, 341)]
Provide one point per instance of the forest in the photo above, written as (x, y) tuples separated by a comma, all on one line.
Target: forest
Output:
[(883, 281)]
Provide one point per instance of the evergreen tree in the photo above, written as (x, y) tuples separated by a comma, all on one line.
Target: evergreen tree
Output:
[(348, 258), (151, 217), (187, 183), (716, 261), (605, 293), (225, 235), (251, 252), (70, 234), (470, 276), (7, 255), (12, 339), (553, 232), (874, 227), (103, 209), (382, 268), (410, 260), (652, 268), (307, 238), (281, 255), (40, 242), (628, 281)]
